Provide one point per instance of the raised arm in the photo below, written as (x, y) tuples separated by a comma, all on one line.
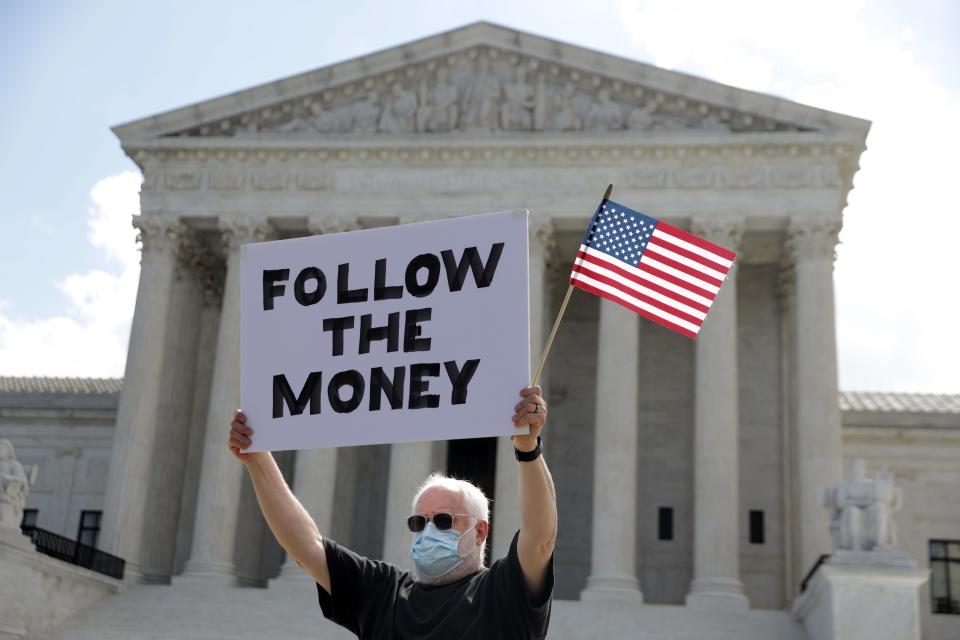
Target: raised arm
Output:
[(293, 527), (538, 498)]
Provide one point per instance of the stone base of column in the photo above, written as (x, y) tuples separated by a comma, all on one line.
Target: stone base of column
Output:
[(133, 573), (212, 572), (612, 588), (717, 593), (291, 575), (294, 578), (861, 596)]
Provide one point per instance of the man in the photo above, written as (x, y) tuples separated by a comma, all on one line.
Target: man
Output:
[(450, 594)]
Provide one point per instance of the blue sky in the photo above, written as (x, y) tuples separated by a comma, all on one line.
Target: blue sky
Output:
[(71, 70)]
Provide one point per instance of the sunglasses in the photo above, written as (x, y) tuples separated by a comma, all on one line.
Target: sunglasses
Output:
[(441, 521)]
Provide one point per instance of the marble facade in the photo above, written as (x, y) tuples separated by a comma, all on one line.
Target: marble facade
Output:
[(484, 119), (481, 119)]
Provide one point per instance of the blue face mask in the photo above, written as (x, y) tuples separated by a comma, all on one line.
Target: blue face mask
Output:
[(436, 553)]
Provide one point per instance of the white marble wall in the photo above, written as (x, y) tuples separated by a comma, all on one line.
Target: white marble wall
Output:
[(925, 461), (71, 445)]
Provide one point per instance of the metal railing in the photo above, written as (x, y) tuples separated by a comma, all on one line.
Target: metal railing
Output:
[(809, 576), (82, 555)]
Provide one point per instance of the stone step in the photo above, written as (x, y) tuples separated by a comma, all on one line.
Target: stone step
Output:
[(198, 611)]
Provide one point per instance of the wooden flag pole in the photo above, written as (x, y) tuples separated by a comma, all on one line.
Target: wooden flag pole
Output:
[(563, 308)]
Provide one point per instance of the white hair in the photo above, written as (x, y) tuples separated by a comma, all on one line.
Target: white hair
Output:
[(477, 503)]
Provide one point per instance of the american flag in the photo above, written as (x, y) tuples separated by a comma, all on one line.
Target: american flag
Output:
[(663, 273)]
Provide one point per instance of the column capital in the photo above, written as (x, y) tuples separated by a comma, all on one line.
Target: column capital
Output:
[(210, 271), (725, 231), (157, 235), (323, 224), (235, 232), (541, 234), (186, 244), (812, 239)]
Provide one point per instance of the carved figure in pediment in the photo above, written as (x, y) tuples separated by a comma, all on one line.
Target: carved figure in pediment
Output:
[(15, 481), (712, 122), (542, 98), (605, 114), (400, 112), (322, 120), (516, 112), (297, 124), (643, 117), (481, 99), (249, 125), (565, 112), (439, 107), (365, 115)]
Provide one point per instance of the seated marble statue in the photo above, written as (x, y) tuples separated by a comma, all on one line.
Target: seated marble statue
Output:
[(15, 481), (863, 511)]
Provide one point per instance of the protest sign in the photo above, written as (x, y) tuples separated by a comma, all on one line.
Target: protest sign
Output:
[(397, 334)]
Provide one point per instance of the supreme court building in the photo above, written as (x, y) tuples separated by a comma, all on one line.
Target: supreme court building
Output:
[(687, 472)]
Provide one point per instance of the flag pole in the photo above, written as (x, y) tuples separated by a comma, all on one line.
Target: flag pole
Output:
[(563, 308)]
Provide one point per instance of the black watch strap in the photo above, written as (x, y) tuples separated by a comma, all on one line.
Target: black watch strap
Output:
[(528, 456)]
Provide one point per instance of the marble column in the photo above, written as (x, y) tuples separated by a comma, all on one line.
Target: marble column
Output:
[(218, 496), (314, 481), (506, 505), (716, 536), (175, 406), (203, 375), (128, 484), (613, 546), (816, 430), (410, 464), (315, 470)]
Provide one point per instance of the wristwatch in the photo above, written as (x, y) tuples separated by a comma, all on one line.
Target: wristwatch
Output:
[(528, 456)]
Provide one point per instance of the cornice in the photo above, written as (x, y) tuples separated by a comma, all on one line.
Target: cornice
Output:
[(816, 142)]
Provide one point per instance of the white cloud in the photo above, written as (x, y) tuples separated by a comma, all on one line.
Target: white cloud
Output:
[(894, 275), (90, 339)]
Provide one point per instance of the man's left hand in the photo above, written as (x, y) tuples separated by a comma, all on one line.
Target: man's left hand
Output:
[(530, 411)]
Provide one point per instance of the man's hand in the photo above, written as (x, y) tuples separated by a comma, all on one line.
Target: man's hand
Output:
[(530, 411), (240, 438)]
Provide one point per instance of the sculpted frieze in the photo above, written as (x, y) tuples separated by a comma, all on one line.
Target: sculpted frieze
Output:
[(566, 168), (314, 180), (483, 90), (183, 181), (694, 177), (744, 178), (270, 180), (792, 176), (220, 180), (647, 178)]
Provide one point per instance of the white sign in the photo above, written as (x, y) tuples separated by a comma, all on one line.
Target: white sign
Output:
[(400, 334)]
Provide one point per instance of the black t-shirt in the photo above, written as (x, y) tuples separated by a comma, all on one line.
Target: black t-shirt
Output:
[(377, 600)]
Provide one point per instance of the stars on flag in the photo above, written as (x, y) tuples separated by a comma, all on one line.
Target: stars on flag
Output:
[(623, 234)]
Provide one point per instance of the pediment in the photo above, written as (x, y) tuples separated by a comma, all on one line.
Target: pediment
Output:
[(481, 79)]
